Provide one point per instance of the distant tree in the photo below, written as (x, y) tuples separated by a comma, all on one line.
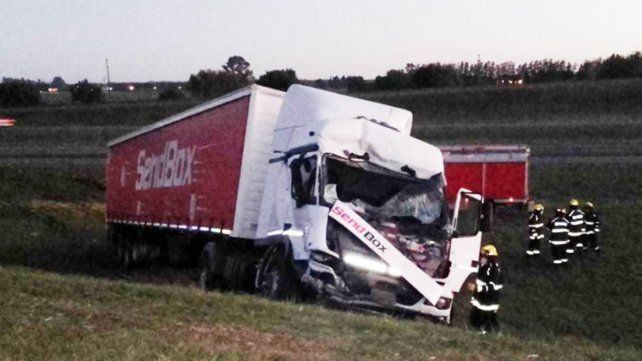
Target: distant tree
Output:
[(393, 80), (588, 70), (58, 82), (435, 75), (86, 92), (635, 62), (238, 65), (15, 93), (356, 84), (320, 83), (617, 66), (212, 83), (479, 73), (336, 82), (171, 94), (278, 79)]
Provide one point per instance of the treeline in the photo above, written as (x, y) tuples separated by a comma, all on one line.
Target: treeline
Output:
[(435, 75), (236, 73)]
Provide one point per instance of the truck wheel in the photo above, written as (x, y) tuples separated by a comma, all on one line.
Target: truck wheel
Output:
[(236, 272), (275, 276), (211, 266)]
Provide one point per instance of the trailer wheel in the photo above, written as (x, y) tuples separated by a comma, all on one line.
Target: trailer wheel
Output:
[(211, 266), (275, 276)]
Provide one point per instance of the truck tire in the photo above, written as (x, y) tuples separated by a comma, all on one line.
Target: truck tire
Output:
[(239, 272), (275, 276), (211, 266)]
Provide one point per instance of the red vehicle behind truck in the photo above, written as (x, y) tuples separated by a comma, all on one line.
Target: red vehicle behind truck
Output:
[(498, 172)]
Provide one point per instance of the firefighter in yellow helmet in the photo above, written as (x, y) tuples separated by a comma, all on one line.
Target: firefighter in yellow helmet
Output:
[(488, 286), (535, 230)]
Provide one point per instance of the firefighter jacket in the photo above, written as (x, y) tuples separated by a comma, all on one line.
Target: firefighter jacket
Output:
[(559, 231), (535, 226), (576, 227), (592, 223), (488, 286)]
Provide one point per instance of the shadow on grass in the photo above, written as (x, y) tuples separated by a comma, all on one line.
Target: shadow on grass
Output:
[(70, 238)]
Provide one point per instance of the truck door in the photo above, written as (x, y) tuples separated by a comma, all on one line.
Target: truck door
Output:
[(466, 240), (304, 192)]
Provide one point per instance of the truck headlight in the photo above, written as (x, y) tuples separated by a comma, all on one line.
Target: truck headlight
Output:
[(370, 264)]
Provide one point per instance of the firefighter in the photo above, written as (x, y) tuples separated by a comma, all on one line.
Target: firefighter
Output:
[(559, 236), (576, 227), (592, 222), (535, 230), (488, 285)]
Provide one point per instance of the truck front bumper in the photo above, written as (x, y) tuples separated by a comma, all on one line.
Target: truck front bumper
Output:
[(372, 291)]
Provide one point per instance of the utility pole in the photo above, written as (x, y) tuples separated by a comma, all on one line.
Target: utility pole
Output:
[(107, 66)]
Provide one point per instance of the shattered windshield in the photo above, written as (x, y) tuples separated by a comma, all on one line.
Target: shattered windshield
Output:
[(416, 205)]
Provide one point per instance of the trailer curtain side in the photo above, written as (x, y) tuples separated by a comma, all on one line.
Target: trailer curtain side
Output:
[(202, 169)]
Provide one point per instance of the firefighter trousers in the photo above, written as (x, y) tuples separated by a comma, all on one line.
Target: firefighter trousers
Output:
[(590, 240), (485, 321), (575, 244), (533, 247), (559, 252)]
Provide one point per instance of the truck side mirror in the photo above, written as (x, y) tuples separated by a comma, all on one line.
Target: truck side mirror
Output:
[(486, 217)]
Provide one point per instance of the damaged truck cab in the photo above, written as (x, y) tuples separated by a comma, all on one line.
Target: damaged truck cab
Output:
[(354, 211)]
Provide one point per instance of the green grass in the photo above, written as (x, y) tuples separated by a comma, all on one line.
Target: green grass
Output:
[(64, 98), (566, 101), (48, 316), (112, 114), (595, 303)]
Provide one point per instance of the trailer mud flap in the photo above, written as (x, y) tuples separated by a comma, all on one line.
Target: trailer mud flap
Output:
[(384, 249)]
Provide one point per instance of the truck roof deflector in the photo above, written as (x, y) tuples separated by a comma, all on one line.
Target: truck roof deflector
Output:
[(428, 287)]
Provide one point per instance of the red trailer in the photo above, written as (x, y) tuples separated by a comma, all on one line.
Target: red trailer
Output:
[(498, 172), (199, 170)]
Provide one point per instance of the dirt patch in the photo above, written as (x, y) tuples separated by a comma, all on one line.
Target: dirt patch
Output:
[(255, 345)]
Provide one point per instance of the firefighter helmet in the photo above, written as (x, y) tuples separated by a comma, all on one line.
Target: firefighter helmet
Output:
[(539, 207), (489, 250), (560, 212), (574, 203), (588, 205)]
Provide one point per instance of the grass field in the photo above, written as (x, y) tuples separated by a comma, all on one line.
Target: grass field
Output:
[(70, 318), (64, 296)]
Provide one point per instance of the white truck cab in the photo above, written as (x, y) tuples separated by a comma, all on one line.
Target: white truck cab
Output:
[(355, 206)]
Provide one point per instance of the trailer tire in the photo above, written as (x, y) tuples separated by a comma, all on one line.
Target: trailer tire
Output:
[(211, 266), (275, 276)]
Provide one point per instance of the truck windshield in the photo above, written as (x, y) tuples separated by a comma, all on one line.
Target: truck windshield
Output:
[(415, 205)]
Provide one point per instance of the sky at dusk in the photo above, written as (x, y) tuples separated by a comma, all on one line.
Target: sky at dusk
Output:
[(149, 40)]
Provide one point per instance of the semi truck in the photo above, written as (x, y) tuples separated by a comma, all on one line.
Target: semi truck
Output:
[(306, 193)]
